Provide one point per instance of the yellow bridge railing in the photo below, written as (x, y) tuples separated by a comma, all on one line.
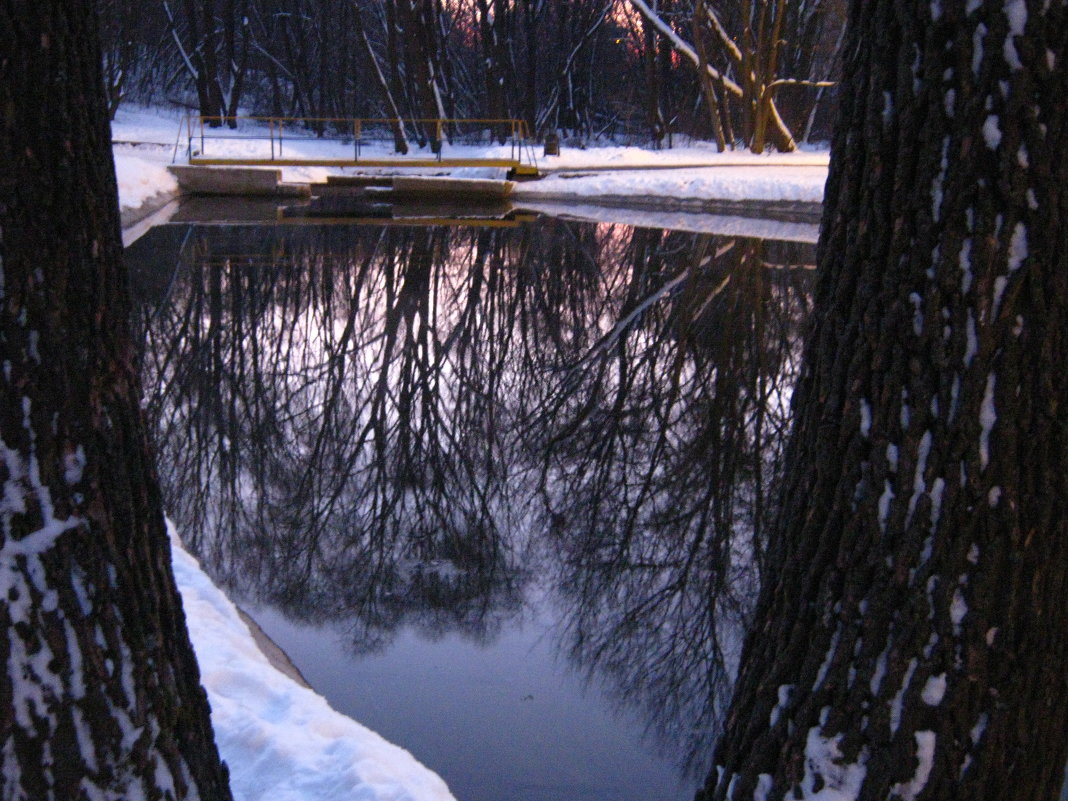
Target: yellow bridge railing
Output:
[(298, 141)]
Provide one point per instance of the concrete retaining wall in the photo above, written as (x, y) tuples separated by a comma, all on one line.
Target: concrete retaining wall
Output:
[(245, 181)]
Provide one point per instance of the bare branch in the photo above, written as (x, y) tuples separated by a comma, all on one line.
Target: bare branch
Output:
[(683, 47), (728, 43), (178, 41), (797, 82)]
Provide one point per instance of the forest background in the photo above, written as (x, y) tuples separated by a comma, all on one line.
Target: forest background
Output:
[(745, 73)]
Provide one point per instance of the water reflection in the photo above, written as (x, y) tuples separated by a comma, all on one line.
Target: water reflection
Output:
[(661, 465), (429, 426)]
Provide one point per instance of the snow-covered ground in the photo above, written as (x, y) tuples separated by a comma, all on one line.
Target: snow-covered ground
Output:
[(686, 174), (281, 740), (783, 180)]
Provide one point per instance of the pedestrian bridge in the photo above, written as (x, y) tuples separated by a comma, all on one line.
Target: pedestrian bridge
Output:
[(254, 141)]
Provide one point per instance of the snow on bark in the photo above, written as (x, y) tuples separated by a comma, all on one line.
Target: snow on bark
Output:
[(977, 48), (45, 684), (934, 690), (972, 340), (1016, 11), (893, 455), (966, 275), (884, 505), (925, 748), (937, 193), (919, 483), (958, 608), (987, 417), (1017, 247), (785, 692), (897, 704), (93, 673), (992, 132), (763, 788), (942, 301), (827, 776)]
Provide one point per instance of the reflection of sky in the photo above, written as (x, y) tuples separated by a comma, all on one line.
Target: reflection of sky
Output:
[(501, 722)]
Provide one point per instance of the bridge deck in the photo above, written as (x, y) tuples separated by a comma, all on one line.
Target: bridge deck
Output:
[(269, 135)]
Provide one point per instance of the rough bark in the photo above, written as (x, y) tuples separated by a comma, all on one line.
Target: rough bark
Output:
[(910, 639), (100, 692)]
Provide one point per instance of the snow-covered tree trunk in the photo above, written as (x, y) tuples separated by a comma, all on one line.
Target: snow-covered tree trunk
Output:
[(99, 690), (911, 638)]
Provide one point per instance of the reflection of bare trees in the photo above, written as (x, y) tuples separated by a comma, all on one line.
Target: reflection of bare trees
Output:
[(666, 439), (387, 425), (305, 405)]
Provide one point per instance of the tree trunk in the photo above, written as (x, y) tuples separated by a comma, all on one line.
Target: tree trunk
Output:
[(422, 59), (708, 90), (654, 119), (201, 50), (911, 636), (100, 692), (531, 71), (495, 39), (400, 140), (237, 56)]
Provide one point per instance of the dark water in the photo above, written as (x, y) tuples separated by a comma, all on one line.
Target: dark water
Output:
[(497, 491)]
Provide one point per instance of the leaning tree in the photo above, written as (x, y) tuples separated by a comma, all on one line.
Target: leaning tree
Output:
[(910, 639), (100, 694)]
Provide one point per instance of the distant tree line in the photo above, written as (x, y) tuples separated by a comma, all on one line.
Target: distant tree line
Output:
[(747, 73)]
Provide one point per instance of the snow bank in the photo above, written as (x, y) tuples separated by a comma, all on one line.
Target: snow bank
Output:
[(282, 741), (696, 153), (141, 178), (773, 182)]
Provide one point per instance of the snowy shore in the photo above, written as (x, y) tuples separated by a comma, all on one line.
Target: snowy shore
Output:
[(281, 740)]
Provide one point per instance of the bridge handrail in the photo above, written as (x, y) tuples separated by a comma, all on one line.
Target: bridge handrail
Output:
[(194, 124)]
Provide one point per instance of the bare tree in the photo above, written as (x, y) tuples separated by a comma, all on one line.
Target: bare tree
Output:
[(751, 72), (400, 143), (214, 46)]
